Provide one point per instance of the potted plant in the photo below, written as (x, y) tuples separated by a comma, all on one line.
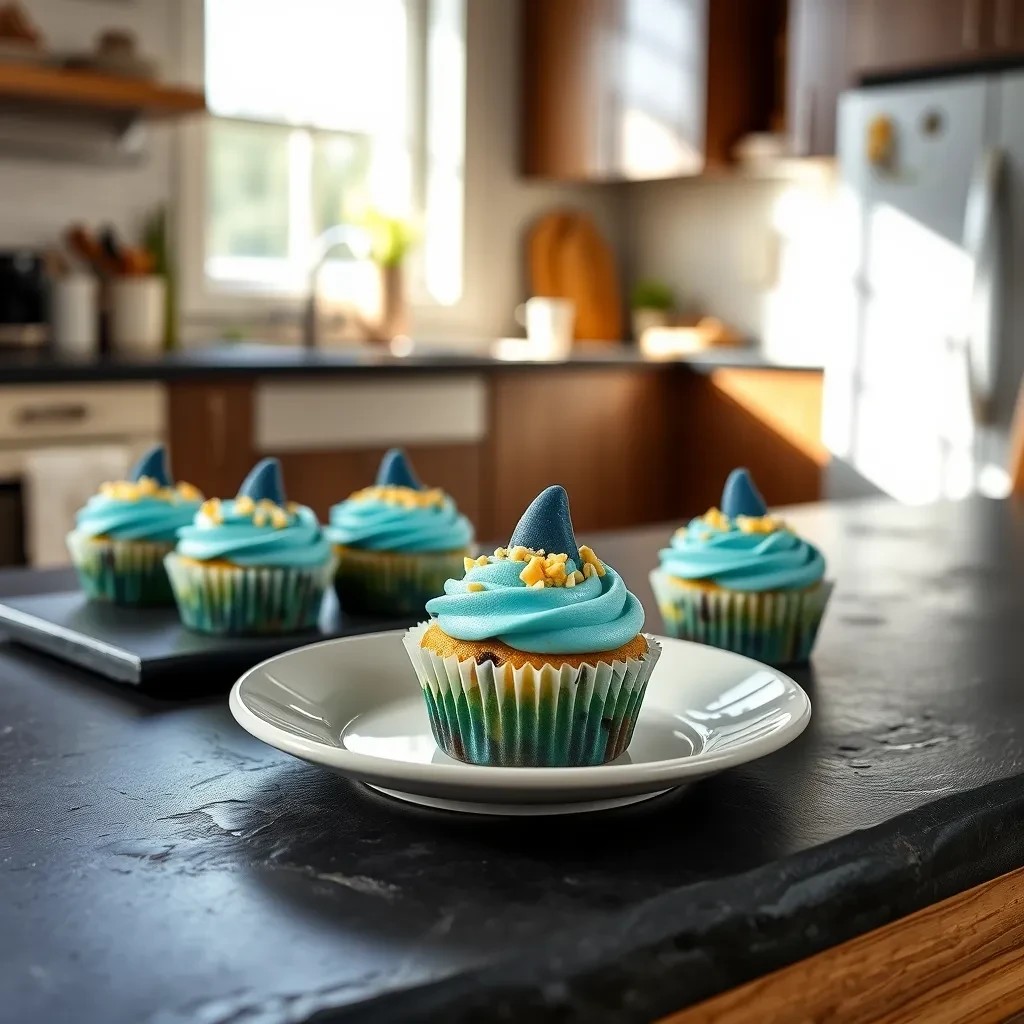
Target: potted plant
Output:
[(652, 303), (391, 238)]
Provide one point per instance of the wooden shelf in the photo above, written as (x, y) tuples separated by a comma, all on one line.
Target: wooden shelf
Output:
[(65, 87)]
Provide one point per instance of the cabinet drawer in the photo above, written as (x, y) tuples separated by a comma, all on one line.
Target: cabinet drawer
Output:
[(306, 415), (43, 412)]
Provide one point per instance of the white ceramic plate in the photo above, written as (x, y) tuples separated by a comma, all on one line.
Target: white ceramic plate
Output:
[(353, 705)]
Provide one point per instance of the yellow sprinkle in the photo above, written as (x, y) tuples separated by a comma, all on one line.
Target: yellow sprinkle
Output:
[(474, 588), (245, 506), (589, 570), (539, 585), (468, 563), (147, 485), (759, 524), (405, 497), (279, 519), (716, 519), (534, 572), (578, 577), (570, 580), (211, 510), (589, 558), (520, 554), (259, 518), (500, 554)]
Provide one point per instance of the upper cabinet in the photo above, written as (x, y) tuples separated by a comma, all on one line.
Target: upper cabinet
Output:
[(628, 90), (641, 89), (898, 35), (892, 37)]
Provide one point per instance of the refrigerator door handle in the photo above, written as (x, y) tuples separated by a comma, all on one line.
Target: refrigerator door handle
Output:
[(983, 244)]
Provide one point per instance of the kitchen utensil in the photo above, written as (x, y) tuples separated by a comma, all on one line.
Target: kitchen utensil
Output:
[(354, 706)]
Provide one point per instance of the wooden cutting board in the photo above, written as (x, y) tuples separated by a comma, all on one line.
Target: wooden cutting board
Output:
[(569, 258)]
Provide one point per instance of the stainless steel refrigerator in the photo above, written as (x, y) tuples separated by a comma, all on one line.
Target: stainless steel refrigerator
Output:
[(923, 373)]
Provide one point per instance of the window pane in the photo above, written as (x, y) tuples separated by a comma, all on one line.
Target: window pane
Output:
[(247, 191), (339, 64), (341, 164)]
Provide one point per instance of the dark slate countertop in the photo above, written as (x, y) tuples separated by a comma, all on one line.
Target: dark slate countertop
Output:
[(256, 360), (157, 864)]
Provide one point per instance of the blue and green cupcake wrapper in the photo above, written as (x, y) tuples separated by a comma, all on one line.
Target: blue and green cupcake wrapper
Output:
[(123, 572), (777, 626), (240, 600), (393, 582), (553, 716)]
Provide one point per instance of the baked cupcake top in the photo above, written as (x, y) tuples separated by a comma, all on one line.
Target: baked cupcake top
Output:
[(399, 514), (258, 527), (542, 594), (741, 546), (148, 506)]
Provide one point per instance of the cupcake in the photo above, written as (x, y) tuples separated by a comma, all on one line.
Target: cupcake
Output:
[(123, 533), (535, 657), (396, 542), (740, 579), (255, 563)]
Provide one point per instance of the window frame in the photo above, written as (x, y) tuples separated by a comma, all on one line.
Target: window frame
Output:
[(206, 303)]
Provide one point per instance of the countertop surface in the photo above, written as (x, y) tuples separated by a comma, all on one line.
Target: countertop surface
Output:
[(252, 359), (157, 864)]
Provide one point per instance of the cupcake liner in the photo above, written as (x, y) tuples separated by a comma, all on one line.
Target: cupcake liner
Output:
[(553, 716), (238, 600), (393, 582), (124, 572), (776, 626)]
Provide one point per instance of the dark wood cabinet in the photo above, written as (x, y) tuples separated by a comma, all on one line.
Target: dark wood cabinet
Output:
[(631, 445), (607, 435), (1008, 27), (643, 89), (211, 433), (896, 35)]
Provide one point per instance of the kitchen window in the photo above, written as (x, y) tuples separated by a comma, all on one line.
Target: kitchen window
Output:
[(321, 110)]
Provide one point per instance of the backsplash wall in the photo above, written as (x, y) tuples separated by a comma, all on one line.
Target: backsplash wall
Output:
[(752, 252)]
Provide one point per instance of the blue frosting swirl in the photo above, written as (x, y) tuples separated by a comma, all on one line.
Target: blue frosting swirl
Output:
[(596, 615), (229, 530), (739, 560), (156, 518), (378, 525)]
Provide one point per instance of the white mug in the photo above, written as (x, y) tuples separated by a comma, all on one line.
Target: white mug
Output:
[(137, 314), (74, 314), (549, 325)]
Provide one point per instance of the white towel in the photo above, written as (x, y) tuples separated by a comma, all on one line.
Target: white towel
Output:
[(56, 483)]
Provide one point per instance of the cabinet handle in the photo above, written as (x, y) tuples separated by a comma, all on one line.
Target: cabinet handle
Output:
[(59, 413), (1004, 22), (970, 30)]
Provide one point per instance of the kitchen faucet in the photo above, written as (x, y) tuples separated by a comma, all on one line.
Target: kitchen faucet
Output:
[(352, 238)]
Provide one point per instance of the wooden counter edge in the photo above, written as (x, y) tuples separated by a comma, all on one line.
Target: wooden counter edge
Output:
[(959, 960)]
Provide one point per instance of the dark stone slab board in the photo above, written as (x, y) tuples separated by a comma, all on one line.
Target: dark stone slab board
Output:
[(150, 648), (159, 865)]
